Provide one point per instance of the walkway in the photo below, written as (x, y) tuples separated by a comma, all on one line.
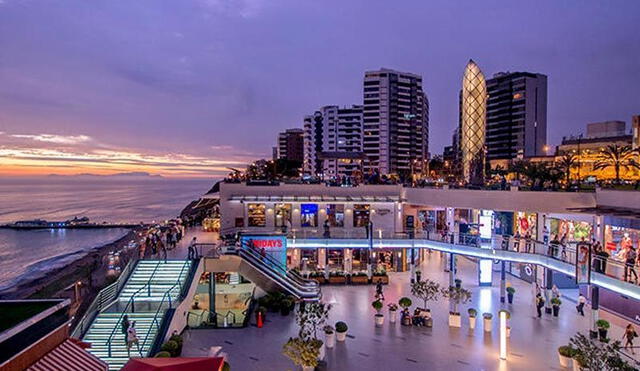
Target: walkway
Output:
[(533, 343)]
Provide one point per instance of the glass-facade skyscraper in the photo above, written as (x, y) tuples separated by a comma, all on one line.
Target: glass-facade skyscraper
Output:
[(473, 119)]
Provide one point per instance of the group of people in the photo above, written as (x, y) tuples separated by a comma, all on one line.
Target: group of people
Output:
[(160, 240)]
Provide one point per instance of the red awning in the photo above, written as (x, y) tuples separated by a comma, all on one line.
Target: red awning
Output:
[(175, 364), (69, 356)]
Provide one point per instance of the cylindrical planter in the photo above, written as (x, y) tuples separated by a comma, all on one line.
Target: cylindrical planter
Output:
[(392, 316), (602, 333), (564, 361), (322, 353), (487, 324), (379, 320), (330, 339), (340, 336), (556, 310), (510, 298), (576, 365), (472, 322), (308, 368), (508, 331)]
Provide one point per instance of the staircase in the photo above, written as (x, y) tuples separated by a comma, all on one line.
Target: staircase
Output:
[(153, 287)]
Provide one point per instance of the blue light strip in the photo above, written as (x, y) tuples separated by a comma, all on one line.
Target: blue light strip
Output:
[(598, 279)]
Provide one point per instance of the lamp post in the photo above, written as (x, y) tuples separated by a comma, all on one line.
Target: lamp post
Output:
[(503, 334)]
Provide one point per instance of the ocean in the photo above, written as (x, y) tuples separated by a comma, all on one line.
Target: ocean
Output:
[(25, 255)]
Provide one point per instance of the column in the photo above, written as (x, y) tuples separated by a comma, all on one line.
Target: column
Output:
[(595, 306), (503, 281), (548, 278)]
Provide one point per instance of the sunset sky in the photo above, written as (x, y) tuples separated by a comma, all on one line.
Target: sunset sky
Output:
[(190, 87)]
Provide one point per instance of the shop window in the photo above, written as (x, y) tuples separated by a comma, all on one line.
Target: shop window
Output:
[(256, 215), (335, 214), (309, 215), (361, 215), (336, 259), (283, 215)]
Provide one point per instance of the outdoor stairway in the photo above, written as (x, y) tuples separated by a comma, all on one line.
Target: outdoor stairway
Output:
[(153, 285)]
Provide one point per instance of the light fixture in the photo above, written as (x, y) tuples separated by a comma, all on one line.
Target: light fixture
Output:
[(503, 334)]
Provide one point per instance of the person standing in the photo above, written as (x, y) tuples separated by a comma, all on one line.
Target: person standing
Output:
[(192, 248), (125, 327), (581, 302), (379, 293), (630, 262), (327, 232), (629, 334), (539, 304)]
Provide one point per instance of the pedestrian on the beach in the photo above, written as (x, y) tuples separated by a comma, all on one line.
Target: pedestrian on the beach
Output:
[(629, 334), (539, 304), (581, 302), (132, 337), (125, 327)]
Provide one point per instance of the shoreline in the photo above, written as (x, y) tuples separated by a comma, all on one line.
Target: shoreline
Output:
[(57, 280)]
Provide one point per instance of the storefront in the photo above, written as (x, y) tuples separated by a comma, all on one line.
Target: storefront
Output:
[(569, 230)]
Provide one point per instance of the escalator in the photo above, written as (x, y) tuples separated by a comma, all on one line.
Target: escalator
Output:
[(270, 274)]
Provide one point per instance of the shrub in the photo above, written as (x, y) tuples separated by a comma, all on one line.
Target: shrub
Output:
[(171, 347), (328, 330), (377, 305), (163, 354), (567, 351), (511, 290), (341, 327), (472, 312), (603, 324), (427, 290), (302, 352), (487, 315), (405, 302), (556, 302)]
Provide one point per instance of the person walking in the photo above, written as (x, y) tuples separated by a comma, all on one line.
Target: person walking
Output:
[(379, 293), (581, 302), (125, 327), (132, 337), (539, 304), (327, 232), (629, 334), (192, 248), (630, 262)]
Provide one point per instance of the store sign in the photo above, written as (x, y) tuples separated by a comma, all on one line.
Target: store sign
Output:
[(265, 242), (382, 212)]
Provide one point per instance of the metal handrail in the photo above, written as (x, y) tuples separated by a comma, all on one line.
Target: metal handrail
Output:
[(131, 302), (297, 285), (106, 295), (282, 268), (167, 294)]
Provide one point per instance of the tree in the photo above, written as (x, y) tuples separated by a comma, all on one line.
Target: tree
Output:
[(427, 290), (457, 295), (311, 316), (594, 356), (517, 167), (617, 157), (566, 163)]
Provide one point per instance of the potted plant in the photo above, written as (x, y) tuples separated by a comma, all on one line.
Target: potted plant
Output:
[(457, 295), (555, 305), (427, 290), (565, 355), (380, 275), (486, 319), (578, 361), (405, 303), (304, 353), (472, 317), (310, 318), (337, 278), (393, 308), (379, 317), (318, 277), (510, 292), (603, 327), (341, 330), (285, 306), (359, 278), (508, 318), (329, 336)]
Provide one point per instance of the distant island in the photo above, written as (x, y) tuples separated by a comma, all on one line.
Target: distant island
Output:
[(133, 174)]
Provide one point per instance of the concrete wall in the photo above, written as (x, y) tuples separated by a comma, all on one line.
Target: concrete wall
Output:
[(621, 199), (179, 320)]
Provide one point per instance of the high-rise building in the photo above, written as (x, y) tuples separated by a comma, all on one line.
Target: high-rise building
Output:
[(395, 122), (516, 115), (333, 142), (473, 109), (291, 145)]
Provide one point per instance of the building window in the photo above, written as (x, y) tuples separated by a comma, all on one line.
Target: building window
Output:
[(256, 215), (309, 215), (335, 215), (361, 215), (283, 215)]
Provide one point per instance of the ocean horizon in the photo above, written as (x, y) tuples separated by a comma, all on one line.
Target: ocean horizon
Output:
[(28, 255)]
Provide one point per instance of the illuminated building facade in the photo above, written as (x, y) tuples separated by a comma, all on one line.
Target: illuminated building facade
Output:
[(473, 109)]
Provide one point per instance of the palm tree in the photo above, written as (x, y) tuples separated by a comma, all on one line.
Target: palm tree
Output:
[(618, 157), (566, 163)]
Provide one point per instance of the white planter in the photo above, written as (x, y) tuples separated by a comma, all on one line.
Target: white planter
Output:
[(322, 353), (379, 320), (330, 340), (564, 361), (508, 331), (455, 320), (472, 322), (341, 336), (308, 368), (392, 316), (487, 324), (576, 365)]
